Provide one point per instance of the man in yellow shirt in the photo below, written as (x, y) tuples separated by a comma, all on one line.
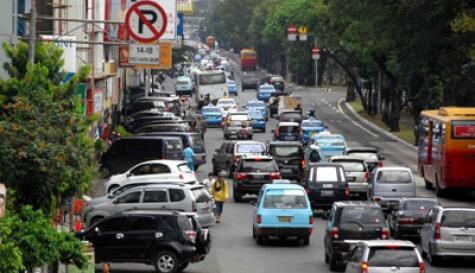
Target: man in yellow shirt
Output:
[(219, 191)]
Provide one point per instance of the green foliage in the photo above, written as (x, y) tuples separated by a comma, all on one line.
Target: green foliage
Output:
[(46, 152), (33, 241)]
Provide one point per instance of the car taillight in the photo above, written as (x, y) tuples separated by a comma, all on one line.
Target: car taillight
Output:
[(334, 233), (277, 132), (311, 220), (274, 175), (422, 267), (258, 219), (363, 267), (302, 163), (366, 176), (384, 233), (191, 234), (241, 176), (437, 233), (347, 192), (376, 199)]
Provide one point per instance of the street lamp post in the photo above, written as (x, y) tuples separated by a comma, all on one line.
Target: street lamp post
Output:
[(316, 56)]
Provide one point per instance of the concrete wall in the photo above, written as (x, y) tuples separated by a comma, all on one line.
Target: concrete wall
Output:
[(6, 30)]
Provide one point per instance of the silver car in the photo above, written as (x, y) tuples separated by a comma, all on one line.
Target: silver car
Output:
[(188, 198), (448, 232), (389, 184), (357, 174), (237, 125), (381, 256)]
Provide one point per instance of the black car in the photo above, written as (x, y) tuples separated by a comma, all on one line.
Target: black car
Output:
[(168, 127), (128, 152), (371, 156), (248, 81), (137, 123), (278, 82), (288, 131), (290, 157), (252, 172), (325, 183), (169, 240), (351, 220), (143, 105), (408, 217)]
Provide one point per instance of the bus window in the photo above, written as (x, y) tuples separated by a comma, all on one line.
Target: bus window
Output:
[(463, 129)]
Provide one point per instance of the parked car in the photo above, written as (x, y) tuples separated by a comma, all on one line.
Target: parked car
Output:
[(282, 210), (258, 121), (385, 256), (169, 240), (167, 127), (349, 222), (125, 153), (141, 118), (184, 86), (288, 131), (265, 92), (154, 196), (357, 174), (212, 115), (194, 140), (311, 127), (258, 105), (227, 155), (291, 116), (232, 88), (330, 144), (407, 218), (152, 170), (142, 105), (289, 155), (325, 183), (448, 232), (237, 125), (371, 155), (390, 184), (252, 172)]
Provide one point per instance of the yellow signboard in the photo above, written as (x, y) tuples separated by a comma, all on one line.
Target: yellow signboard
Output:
[(165, 58), (303, 30), (185, 6)]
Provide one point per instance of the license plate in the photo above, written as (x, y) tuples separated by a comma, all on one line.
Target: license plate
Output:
[(327, 186), (257, 176), (326, 193), (285, 170), (351, 179), (465, 238), (285, 219), (289, 138)]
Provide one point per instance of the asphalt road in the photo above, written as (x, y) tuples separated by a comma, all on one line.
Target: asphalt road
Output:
[(233, 249)]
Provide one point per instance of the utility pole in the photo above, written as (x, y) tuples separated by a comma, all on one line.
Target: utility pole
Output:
[(316, 64), (32, 42)]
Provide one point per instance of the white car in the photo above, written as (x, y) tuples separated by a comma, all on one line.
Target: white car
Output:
[(152, 171), (227, 105)]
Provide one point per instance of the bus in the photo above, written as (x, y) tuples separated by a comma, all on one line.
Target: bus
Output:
[(248, 59), (446, 141), (212, 82)]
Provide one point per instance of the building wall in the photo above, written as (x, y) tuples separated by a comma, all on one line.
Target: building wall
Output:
[(6, 30)]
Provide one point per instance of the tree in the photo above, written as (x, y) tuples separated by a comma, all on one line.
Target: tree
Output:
[(46, 153)]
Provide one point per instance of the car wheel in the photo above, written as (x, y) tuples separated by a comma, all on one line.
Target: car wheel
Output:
[(333, 264), (215, 170), (166, 262), (260, 239), (327, 259), (230, 171), (428, 185), (95, 220), (264, 130), (306, 240), (438, 190), (237, 196), (112, 188), (105, 171), (182, 266)]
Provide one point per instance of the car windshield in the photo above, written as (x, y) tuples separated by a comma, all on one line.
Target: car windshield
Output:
[(327, 174), (361, 216), (255, 104), (266, 166), (288, 129), (210, 110), (312, 124), (285, 199), (392, 256), (239, 117), (394, 177), (253, 148), (332, 141), (365, 155), (286, 151), (424, 205), (459, 219), (350, 166), (212, 79)]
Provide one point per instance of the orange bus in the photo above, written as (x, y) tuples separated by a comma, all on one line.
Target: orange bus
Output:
[(248, 59), (446, 157)]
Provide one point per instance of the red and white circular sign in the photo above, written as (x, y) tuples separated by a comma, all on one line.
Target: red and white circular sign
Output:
[(146, 21)]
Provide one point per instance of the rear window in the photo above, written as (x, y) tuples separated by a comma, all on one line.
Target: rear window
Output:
[(327, 174), (365, 155), (196, 140), (394, 177), (291, 116), (186, 223), (349, 166), (250, 148), (239, 117), (174, 145), (258, 166), (392, 256), (419, 204), (286, 151), (285, 199), (201, 195), (330, 141), (312, 124), (361, 216), (459, 219), (288, 129)]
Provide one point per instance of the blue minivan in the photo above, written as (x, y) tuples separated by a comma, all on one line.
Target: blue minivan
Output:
[(282, 210)]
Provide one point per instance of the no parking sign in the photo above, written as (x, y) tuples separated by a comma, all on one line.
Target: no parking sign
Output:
[(146, 21)]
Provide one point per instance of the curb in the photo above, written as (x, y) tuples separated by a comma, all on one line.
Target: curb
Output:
[(379, 129)]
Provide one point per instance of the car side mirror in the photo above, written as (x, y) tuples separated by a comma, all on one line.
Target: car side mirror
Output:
[(129, 174)]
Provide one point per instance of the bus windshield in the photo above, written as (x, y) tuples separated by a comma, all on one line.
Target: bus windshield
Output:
[(212, 79), (463, 129)]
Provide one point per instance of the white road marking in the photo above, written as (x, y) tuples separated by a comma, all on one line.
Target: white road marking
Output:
[(354, 122)]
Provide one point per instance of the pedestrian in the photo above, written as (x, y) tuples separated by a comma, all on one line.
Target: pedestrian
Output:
[(219, 191), (188, 155), (299, 108), (207, 182)]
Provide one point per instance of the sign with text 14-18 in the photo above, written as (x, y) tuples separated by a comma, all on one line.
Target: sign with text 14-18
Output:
[(170, 9), (144, 54)]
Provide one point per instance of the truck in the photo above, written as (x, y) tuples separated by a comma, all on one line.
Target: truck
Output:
[(248, 58), (288, 103)]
